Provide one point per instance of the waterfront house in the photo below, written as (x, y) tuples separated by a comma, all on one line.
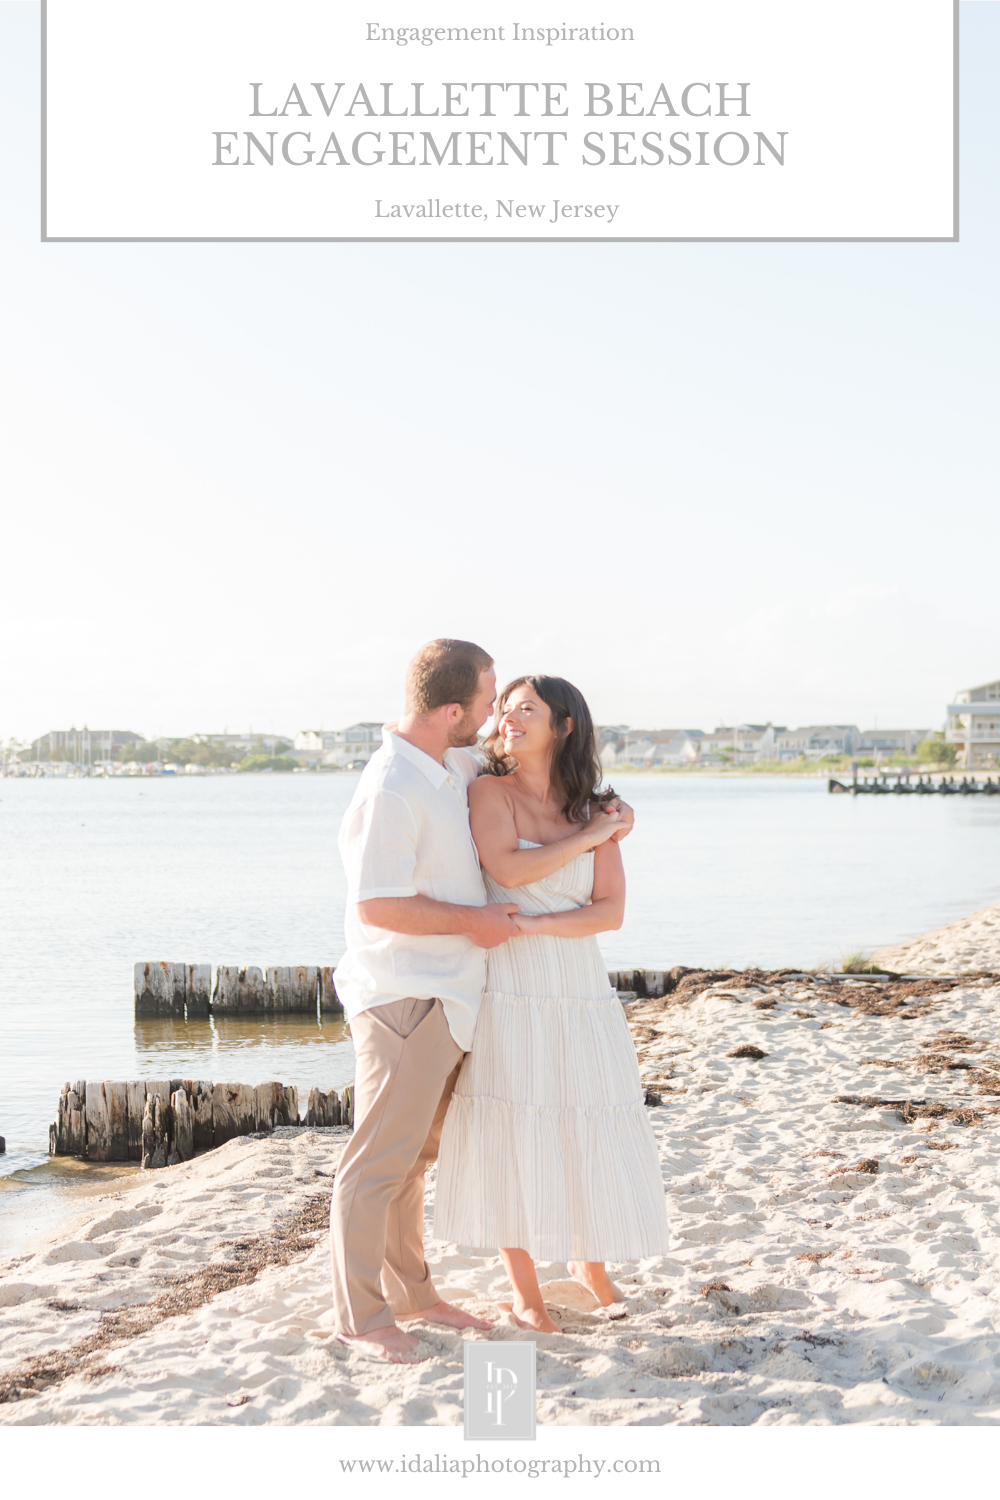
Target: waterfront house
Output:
[(338, 747), (814, 741), (683, 750), (639, 747), (890, 741), (974, 725), (313, 742), (742, 743)]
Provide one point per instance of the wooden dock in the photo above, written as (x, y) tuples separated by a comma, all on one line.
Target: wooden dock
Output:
[(903, 784)]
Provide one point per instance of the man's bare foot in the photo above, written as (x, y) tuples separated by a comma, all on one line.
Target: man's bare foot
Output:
[(530, 1317), (450, 1316), (390, 1344), (594, 1277)]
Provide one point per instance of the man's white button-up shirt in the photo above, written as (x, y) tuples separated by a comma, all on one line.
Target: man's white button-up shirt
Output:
[(406, 833)]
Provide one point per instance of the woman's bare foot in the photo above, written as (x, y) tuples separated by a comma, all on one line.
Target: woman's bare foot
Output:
[(390, 1344), (449, 1316), (593, 1275), (530, 1317)]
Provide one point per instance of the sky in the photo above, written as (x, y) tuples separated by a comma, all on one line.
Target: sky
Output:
[(241, 484)]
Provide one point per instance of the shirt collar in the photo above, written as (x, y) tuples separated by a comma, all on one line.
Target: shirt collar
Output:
[(436, 774)]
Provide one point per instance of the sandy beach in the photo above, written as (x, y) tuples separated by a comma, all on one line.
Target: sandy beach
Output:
[(972, 942), (835, 1254)]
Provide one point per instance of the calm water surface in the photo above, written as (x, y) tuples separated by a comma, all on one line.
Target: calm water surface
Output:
[(97, 874)]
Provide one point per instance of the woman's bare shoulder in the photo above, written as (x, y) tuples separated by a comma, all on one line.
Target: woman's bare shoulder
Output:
[(486, 789)]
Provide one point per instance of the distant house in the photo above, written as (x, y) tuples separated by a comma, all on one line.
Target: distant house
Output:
[(816, 740), (313, 741), (742, 743), (890, 741), (338, 747), (683, 750), (639, 747), (974, 725)]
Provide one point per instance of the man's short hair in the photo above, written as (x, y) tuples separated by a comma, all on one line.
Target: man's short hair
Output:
[(443, 672)]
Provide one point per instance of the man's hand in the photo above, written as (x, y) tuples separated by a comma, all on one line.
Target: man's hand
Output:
[(627, 817), (489, 926)]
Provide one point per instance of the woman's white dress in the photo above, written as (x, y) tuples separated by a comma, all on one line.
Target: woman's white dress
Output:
[(546, 1145)]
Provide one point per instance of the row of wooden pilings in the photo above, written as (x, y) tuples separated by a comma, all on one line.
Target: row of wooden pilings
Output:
[(178, 990), (187, 990), (161, 1122)]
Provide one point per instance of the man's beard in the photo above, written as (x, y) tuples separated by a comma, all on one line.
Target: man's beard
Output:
[(465, 732)]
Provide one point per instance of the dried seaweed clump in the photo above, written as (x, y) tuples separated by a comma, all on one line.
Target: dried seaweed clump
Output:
[(287, 1239)]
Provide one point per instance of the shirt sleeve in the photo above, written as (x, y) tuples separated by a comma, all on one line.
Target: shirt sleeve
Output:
[(467, 763), (378, 843)]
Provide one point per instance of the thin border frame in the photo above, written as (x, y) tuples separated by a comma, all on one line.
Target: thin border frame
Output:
[(363, 239)]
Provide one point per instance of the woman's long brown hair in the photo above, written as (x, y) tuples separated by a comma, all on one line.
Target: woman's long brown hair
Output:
[(576, 767)]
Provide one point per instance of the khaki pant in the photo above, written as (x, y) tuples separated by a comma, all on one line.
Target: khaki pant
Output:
[(407, 1064)]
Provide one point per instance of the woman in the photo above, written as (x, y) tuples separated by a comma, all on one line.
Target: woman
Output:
[(546, 1149)]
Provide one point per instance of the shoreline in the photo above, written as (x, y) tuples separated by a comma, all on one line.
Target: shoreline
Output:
[(968, 943)]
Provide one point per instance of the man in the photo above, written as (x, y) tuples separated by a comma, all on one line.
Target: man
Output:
[(418, 926)]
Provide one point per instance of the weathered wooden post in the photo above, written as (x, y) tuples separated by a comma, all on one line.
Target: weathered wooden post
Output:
[(199, 1093), (239, 991), (347, 1106), (183, 1142), (160, 989), (198, 990), (329, 1000), (293, 988), (323, 1108), (135, 1102), (234, 1111), (68, 1136), (107, 1121), (156, 1132)]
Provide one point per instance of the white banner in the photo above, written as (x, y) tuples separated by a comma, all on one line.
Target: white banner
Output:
[(333, 120)]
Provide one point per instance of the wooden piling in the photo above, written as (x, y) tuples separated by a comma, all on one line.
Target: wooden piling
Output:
[(347, 1106), (329, 1000), (239, 991), (68, 1136), (107, 1121), (156, 1132), (323, 1107), (135, 1102), (199, 1093), (197, 990), (643, 983), (233, 1111), (183, 1122), (160, 989), (293, 988)]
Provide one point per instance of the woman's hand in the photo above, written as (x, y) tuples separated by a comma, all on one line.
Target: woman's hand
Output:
[(604, 824)]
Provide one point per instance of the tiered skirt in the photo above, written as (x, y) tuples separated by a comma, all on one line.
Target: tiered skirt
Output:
[(547, 1146)]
